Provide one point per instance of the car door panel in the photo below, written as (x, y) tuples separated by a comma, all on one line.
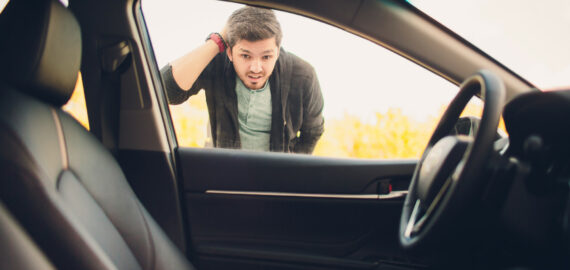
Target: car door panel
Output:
[(222, 169), (286, 209)]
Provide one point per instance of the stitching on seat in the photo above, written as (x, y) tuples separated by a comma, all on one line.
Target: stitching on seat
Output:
[(62, 144), (34, 170), (152, 253)]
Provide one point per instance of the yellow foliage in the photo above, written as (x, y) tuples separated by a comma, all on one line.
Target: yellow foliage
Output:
[(391, 134), (76, 105), (190, 121), (476, 109)]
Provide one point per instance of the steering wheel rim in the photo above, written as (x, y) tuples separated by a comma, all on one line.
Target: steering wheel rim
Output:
[(446, 177)]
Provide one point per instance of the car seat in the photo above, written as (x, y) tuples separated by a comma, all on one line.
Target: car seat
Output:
[(64, 188)]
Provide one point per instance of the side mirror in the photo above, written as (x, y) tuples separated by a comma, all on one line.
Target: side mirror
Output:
[(466, 126)]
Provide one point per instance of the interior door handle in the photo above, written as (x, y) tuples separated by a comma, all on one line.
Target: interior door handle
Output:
[(390, 195)]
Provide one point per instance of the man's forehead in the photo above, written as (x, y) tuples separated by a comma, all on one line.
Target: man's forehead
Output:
[(248, 51), (260, 46)]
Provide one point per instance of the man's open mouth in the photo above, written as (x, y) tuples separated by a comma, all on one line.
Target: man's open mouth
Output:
[(255, 77)]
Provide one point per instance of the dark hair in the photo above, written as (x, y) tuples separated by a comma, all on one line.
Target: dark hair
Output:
[(253, 24)]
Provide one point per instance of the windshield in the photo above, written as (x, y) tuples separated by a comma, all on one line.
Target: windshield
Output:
[(529, 37)]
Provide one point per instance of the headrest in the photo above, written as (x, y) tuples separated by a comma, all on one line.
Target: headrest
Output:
[(40, 49)]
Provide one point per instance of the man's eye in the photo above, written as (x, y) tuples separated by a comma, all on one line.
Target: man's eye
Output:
[(266, 57), (245, 56)]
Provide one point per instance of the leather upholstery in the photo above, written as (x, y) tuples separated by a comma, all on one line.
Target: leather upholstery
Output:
[(40, 49), (62, 185), (18, 250)]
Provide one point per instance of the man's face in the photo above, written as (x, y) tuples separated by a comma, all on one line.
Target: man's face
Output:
[(254, 61)]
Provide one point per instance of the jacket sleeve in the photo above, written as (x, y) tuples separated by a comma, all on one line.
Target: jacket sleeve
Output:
[(313, 121), (177, 95)]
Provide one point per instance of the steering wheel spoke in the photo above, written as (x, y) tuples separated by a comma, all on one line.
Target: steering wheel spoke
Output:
[(412, 221), (420, 216)]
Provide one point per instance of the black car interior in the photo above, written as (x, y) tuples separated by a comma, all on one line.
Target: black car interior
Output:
[(58, 180), (73, 199)]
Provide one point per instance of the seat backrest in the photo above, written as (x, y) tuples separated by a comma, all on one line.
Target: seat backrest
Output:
[(56, 179), (18, 250)]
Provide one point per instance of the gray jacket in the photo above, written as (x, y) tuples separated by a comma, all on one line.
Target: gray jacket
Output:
[(297, 102)]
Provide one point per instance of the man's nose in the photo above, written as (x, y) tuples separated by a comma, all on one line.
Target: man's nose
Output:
[(255, 66)]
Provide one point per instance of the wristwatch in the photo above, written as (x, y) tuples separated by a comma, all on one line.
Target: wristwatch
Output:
[(219, 40)]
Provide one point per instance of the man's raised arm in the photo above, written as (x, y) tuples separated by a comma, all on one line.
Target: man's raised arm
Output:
[(187, 68)]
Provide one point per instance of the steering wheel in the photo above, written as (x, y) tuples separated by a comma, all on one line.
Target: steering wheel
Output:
[(448, 175)]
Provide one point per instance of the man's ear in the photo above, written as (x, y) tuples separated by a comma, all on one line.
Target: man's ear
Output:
[(229, 53)]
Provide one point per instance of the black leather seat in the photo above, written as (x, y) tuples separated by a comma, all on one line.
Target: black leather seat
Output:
[(18, 250), (59, 182)]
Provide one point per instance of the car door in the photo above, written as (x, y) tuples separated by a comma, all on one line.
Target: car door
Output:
[(238, 209), (269, 209)]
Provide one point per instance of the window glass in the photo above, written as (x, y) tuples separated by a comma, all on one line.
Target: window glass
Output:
[(76, 106), (376, 103), (529, 37), (474, 108), (3, 4)]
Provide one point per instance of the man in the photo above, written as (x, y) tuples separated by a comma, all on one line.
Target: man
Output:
[(259, 96)]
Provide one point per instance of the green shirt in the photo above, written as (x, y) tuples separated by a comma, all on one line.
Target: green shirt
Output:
[(254, 116)]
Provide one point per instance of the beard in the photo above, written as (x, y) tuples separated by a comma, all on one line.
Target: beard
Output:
[(254, 81)]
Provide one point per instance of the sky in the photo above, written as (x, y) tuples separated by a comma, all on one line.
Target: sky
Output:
[(530, 37)]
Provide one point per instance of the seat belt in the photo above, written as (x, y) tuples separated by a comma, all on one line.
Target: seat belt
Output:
[(115, 60)]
